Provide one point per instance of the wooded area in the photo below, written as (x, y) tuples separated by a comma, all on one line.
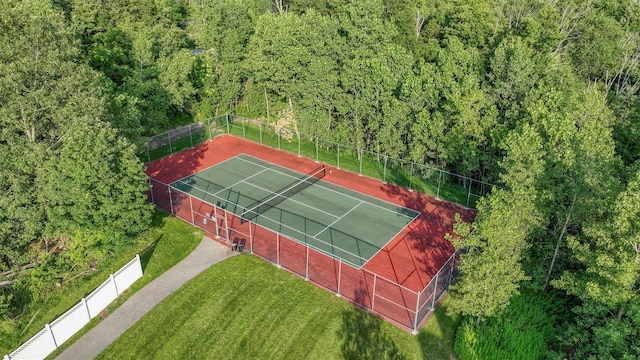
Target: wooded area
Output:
[(541, 96)]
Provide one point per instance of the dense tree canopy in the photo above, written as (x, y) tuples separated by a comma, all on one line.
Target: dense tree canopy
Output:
[(539, 97)]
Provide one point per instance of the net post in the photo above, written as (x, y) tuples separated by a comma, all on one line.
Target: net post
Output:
[(411, 177), (228, 125), (317, 159)]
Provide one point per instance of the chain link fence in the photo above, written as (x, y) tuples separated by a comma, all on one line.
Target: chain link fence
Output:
[(439, 183)]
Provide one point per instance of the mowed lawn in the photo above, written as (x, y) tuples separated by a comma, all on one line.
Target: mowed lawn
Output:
[(246, 308)]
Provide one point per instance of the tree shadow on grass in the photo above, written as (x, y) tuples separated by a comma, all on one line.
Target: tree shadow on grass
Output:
[(145, 255), (437, 337), (364, 339)]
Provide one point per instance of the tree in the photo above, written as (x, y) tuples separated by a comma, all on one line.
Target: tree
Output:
[(64, 174), (608, 281), (94, 183), (224, 30), (371, 76), (494, 245)]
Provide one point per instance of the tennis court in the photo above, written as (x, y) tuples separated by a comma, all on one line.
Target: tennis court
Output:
[(334, 220)]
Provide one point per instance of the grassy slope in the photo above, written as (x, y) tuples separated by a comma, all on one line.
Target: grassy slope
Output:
[(245, 308), (168, 241)]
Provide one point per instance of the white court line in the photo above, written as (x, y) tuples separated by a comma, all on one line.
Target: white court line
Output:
[(241, 181), (338, 219), (337, 192), (207, 168), (289, 198), (206, 193)]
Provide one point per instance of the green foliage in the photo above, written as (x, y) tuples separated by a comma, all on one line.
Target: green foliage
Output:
[(521, 332), (95, 184), (607, 282), (166, 243)]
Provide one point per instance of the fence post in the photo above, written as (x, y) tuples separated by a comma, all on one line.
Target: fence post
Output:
[(373, 297), (115, 286), (415, 318), (439, 179), (384, 172), (55, 343), (451, 260), (411, 178), (148, 153), (278, 250), (361, 156), (209, 128), (244, 131), (435, 291), (86, 306), (193, 219), (153, 201), (170, 200), (260, 127), (298, 132), (469, 195), (339, 276), (170, 146), (228, 126), (306, 278), (338, 156), (226, 223), (278, 135), (317, 149)]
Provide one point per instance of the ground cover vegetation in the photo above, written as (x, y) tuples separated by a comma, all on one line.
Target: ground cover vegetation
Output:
[(541, 97), (246, 308)]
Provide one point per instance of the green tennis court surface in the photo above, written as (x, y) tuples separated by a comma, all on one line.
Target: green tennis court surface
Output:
[(335, 220)]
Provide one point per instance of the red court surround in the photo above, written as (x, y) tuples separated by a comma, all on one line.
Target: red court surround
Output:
[(411, 259)]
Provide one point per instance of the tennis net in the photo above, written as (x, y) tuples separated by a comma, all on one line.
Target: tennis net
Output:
[(265, 204)]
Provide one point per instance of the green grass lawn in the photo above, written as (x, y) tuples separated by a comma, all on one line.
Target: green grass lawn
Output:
[(246, 308), (168, 241)]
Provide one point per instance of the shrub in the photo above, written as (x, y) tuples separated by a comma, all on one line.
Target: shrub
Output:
[(521, 332)]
